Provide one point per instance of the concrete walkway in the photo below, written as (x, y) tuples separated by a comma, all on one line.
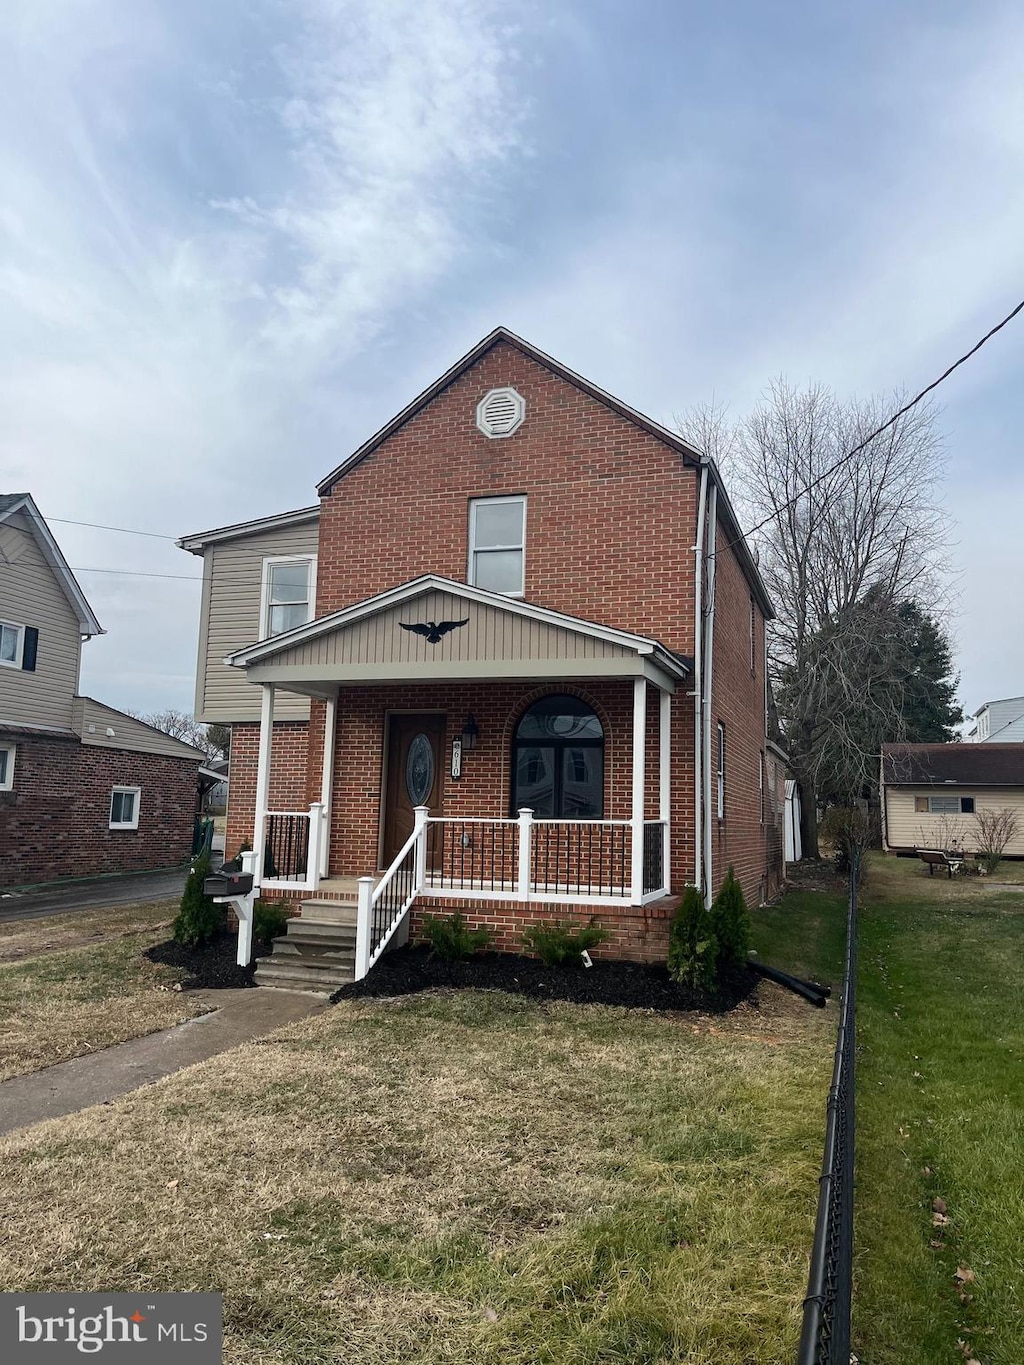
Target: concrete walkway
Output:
[(63, 1089)]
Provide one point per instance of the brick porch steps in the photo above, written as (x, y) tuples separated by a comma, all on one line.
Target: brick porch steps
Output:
[(317, 953)]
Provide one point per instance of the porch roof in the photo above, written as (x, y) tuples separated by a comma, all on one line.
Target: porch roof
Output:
[(384, 639)]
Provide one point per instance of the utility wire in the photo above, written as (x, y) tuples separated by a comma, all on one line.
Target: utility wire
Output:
[(136, 573), (844, 459), (97, 526)]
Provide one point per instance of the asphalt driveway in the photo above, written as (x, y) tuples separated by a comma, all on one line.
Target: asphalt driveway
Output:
[(136, 889)]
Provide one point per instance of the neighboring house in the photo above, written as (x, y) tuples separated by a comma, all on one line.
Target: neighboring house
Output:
[(84, 789), (526, 610), (931, 794), (213, 784), (999, 722)]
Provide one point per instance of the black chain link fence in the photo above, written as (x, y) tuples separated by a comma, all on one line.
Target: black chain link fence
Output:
[(825, 1339)]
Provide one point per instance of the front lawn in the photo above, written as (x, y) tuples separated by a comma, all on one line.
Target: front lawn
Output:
[(459, 1177), (940, 1116), (58, 1002)]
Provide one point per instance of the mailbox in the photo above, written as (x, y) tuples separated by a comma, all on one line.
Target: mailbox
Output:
[(228, 884)]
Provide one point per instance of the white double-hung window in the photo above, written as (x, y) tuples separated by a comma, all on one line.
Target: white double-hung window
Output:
[(497, 544), (124, 807), (11, 644), (289, 592)]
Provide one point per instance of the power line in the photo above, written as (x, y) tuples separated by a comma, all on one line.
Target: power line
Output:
[(844, 459), (97, 526), (136, 573)]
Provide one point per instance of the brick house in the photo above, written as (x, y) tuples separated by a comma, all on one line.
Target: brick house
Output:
[(512, 662), (84, 789)]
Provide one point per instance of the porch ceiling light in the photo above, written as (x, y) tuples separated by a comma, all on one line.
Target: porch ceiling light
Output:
[(470, 733)]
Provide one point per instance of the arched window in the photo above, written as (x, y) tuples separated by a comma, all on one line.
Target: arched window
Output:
[(558, 760)]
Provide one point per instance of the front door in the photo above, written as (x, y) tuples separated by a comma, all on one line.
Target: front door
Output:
[(413, 776)]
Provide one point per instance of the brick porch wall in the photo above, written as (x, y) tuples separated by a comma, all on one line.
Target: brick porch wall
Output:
[(55, 822)]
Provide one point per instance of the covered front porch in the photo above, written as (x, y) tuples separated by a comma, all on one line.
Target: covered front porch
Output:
[(523, 758)]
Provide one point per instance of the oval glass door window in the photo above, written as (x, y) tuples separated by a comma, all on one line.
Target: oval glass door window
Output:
[(419, 770)]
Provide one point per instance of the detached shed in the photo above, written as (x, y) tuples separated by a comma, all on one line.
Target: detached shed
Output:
[(932, 793)]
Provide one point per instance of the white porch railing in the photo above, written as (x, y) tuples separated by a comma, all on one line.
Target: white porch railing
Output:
[(292, 843), (575, 862)]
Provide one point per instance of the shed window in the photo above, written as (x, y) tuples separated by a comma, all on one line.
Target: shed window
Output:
[(558, 760), (944, 805)]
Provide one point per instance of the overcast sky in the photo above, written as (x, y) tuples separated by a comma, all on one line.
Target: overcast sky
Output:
[(236, 237)]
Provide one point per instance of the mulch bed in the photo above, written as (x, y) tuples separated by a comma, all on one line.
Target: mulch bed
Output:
[(210, 967), (634, 985)]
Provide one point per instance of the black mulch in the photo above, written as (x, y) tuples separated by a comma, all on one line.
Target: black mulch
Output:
[(211, 967), (634, 985)]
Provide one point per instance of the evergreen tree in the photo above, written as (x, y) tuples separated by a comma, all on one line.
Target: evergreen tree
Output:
[(692, 945), (731, 923), (198, 919)]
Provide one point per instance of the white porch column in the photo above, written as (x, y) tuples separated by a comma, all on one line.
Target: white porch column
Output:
[(639, 776), (420, 814), (523, 870), (665, 780), (327, 780), (259, 836)]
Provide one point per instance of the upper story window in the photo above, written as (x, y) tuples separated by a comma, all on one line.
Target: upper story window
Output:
[(497, 540), (721, 771), (12, 643), (289, 592)]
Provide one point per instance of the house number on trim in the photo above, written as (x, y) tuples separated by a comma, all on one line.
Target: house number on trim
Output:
[(419, 770)]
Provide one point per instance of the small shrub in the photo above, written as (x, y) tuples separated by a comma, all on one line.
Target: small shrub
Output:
[(849, 830), (996, 828), (731, 923), (692, 944), (198, 919), (269, 920), (451, 938), (561, 945)]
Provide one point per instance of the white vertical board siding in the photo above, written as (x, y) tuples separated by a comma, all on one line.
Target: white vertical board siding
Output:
[(230, 619), (30, 595)]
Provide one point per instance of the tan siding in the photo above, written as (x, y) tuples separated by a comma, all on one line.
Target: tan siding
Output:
[(30, 595), (491, 635), (908, 828), (92, 720), (230, 619)]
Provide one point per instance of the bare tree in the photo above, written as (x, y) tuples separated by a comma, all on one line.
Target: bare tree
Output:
[(180, 725), (996, 828), (842, 543)]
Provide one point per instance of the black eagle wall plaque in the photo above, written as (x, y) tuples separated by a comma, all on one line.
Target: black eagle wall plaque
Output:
[(434, 631)]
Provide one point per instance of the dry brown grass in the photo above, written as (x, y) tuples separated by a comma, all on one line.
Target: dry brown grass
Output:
[(455, 1178), (23, 938), (63, 1003)]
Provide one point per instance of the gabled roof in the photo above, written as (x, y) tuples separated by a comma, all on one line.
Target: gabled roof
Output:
[(675, 665), (12, 503), (197, 543), (670, 438), (965, 765)]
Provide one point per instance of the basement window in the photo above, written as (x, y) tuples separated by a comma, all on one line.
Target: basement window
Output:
[(124, 807)]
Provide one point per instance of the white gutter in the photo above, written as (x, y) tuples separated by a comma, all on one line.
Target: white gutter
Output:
[(708, 670), (698, 640)]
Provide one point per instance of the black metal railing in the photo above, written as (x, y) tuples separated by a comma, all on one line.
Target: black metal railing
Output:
[(654, 855), (389, 904), (286, 854), (580, 858), (825, 1339), (482, 854)]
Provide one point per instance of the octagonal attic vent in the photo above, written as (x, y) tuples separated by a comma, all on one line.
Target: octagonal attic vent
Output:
[(500, 412)]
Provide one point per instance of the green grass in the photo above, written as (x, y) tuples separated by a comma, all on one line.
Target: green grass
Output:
[(468, 1178), (941, 1114)]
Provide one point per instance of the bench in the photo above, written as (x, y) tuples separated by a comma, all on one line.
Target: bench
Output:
[(937, 857)]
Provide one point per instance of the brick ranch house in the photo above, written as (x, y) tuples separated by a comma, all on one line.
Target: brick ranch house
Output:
[(512, 663), (84, 789)]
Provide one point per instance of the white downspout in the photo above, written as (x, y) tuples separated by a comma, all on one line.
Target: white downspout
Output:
[(698, 640), (708, 671)]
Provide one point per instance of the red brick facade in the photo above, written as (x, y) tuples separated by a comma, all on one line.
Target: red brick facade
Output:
[(611, 526), (55, 823)]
